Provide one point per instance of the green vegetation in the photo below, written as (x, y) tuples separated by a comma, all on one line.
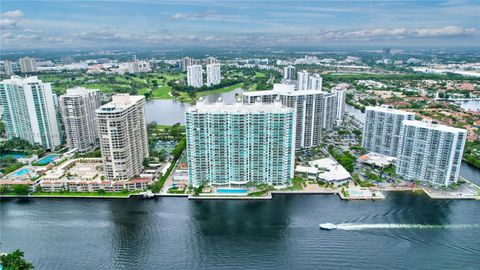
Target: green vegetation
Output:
[(101, 193), (97, 153), (297, 184), (177, 152), (390, 170), (471, 153), (346, 159), (162, 133), (18, 145), (262, 190), (176, 191), (361, 183), (15, 261), (345, 192), (17, 189), (9, 164)]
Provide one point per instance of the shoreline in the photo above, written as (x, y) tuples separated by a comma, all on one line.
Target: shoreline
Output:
[(268, 196)]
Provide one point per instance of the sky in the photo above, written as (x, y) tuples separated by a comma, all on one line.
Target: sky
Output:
[(102, 24)]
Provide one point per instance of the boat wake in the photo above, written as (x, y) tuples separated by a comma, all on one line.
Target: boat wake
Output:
[(355, 227)]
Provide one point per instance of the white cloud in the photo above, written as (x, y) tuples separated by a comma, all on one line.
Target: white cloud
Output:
[(12, 14), (196, 15), (10, 19), (8, 23)]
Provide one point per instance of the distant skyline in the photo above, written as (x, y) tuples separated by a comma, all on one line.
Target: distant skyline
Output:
[(105, 24)]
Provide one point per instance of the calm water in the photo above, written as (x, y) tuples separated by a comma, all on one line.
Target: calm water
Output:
[(473, 105), (283, 233), (169, 112)]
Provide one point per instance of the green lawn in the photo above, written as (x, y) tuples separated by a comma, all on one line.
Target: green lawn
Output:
[(162, 92), (260, 74), (220, 90)]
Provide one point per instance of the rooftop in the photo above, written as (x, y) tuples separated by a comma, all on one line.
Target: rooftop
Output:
[(284, 89), (334, 171), (432, 125), (120, 102), (377, 159), (22, 80), (388, 110), (79, 91), (241, 108)]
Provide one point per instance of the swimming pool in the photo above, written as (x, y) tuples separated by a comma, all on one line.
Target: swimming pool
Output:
[(46, 160), (358, 193), (21, 172), (232, 191)]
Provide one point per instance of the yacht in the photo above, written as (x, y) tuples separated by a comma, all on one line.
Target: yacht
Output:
[(328, 226), (148, 194)]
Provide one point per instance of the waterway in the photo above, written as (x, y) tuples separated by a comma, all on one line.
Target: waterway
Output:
[(175, 233), (473, 105)]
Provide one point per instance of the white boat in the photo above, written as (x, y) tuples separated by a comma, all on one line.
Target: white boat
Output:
[(148, 194), (328, 226)]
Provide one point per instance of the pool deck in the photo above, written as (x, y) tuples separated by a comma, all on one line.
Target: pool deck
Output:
[(217, 197)]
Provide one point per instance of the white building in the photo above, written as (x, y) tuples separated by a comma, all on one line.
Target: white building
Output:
[(185, 63), (123, 136), (430, 152), (289, 73), (341, 96), (28, 65), (138, 67), (381, 133), (30, 111), (7, 67), (315, 110), (307, 81), (211, 60), (214, 76), (315, 82), (302, 80), (240, 143), (195, 76), (77, 108)]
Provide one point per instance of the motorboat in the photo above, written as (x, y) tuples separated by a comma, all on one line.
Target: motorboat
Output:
[(328, 226), (148, 194)]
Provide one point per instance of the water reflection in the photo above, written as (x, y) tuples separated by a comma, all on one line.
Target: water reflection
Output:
[(169, 112), (132, 228)]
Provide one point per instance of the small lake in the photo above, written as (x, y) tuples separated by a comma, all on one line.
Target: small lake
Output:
[(473, 105), (169, 112)]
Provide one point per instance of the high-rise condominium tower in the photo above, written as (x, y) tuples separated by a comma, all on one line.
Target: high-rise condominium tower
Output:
[(315, 110), (28, 65), (30, 111), (7, 67), (430, 152), (302, 80), (289, 73), (195, 76), (185, 63), (315, 82), (211, 60), (123, 136), (341, 96), (77, 108), (214, 76), (381, 132), (240, 143)]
